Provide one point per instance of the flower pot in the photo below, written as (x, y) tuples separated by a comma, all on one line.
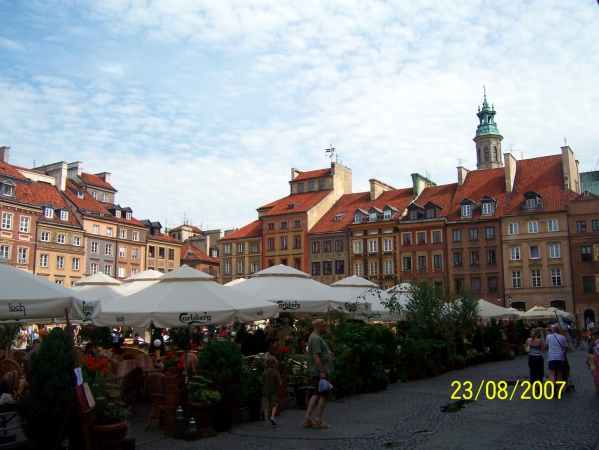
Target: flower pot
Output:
[(175, 370), (110, 437), (204, 415)]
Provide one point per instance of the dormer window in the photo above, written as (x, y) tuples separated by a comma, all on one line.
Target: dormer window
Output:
[(128, 216), (338, 217), (48, 213), (532, 200), (320, 185), (466, 210), (310, 186), (372, 216), (105, 198), (430, 213), (64, 215), (413, 214), (487, 208), (387, 214), (95, 195), (7, 188), (531, 203), (117, 213), (300, 188), (79, 194), (358, 217)]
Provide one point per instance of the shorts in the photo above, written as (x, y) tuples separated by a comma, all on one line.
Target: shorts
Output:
[(269, 402), (559, 366), (315, 381)]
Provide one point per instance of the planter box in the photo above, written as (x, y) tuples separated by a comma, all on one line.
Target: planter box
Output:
[(110, 437)]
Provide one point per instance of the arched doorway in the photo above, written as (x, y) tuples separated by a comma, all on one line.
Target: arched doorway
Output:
[(520, 306), (590, 315), (559, 304)]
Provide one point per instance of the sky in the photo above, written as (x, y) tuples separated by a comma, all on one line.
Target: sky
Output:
[(199, 109)]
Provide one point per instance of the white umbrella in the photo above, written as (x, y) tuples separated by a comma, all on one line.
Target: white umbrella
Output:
[(27, 297), (141, 281), (358, 289), (294, 291), (538, 313), (401, 287), (488, 310), (185, 297), (234, 282)]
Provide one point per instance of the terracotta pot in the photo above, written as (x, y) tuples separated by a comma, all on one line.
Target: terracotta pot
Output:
[(110, 437), (175, 370)]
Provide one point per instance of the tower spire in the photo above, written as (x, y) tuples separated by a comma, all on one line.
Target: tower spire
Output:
[(488, 139)]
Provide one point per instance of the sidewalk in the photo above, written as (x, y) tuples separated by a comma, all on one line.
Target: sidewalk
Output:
[(408, 416)]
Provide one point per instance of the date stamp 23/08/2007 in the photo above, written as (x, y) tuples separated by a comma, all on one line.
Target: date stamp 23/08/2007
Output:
[(499, 390)]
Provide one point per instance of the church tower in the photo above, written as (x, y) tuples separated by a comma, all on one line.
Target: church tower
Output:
[(488, 140)]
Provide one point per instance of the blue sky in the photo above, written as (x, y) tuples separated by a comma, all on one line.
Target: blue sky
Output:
[(201, 108)]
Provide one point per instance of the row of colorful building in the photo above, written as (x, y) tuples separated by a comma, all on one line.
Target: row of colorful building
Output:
[(514, 232)]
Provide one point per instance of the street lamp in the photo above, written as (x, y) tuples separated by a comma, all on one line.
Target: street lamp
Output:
[(499, 299), (509, 299)]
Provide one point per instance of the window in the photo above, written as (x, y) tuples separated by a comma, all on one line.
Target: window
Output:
[(297, 223), (77, 241), (79, 194), (326, 246), (372, 216), (64, 215), (117, 213), (239, 266), (388, 267), (372, 246), (516, 279), (255, 247), (535, 276), (552, 225), (60, 262), (586, 253), (105, 198), (310, 186), (407, 263), (128, 216), (338, 245), (554, 251), (123, 234), (487, 208), (436, 237), (457, 258), (457, 235), (297, 241), (122, 273), (271, 226), (300, 188), (43, 260), (320, 185), (387, 245), (374, 268), (459, 285), (437, 261), (171, 254), (24, 228), (95, 195), (473, 233), (161, 252), (316, 247), (96, 229), (358, 217), (59, 282), (438, 287), (513, 228), (134, 253), (6, 221), (421, 236), (357, 246), (358, 269), (61, 239), (486, 153), (228, 249), (122, 252), (595, 225), (474, 258), (515, 253), (533, 226), (109, 232), (475, 284), (491, 257), (94, 248), (75, 263), (316, 268), (588, 284), (422, 263), (22, 256), (93, 268), (581, 225), (414, 214), (531, 203), (430, 213), (387, 214), (284, 225), (490, 232), (5, 251), (406, 238), (254, 267), (339, 267), (228, 268), (48, 213), (556, 277), (108, 250), (151, 251), (534, 252), (466, 210), (108, 270), (134, 271), (492, 282), (327, 267), (45, 236), (240, 248), (283, 243)]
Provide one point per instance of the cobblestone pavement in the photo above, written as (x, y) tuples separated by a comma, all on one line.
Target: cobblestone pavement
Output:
[(409, 416)]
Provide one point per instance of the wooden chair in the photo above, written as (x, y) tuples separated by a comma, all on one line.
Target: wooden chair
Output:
[(128, 357), (155, 389), (8, 365), (118, 358), (12, 382), (124, 367), (129, 387)]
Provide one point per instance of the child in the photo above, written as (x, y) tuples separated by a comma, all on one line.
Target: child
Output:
[(270, 380)]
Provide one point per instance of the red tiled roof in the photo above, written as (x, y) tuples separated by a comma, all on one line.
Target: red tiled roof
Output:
[(304, 202), (480, 183), (313, 174), (95, 180), (9, 171), (251, 230), (191, 253), (193, 228), (439, 195), (122, 219), (544, 176), (46, 194), (87, 202), (22, 191), (163, 237), (349, 203)]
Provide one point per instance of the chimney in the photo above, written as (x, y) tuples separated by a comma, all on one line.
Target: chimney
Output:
[(294, 173), (105, 176), (4, 154), (510, 171), (462, 172), (74, 170), (377, 188), (570, 170)]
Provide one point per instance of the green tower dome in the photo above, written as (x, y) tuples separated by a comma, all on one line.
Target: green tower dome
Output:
[(486, 117)]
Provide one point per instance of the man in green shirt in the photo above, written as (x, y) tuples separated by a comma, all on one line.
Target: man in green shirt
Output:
[(320, 363)]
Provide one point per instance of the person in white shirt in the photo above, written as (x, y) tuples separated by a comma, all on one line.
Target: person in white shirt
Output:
[(558, 345)]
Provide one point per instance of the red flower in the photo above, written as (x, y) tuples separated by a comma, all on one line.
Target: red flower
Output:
[(105, 371)]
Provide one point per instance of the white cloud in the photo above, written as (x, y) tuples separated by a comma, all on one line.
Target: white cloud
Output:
[(9, 44)]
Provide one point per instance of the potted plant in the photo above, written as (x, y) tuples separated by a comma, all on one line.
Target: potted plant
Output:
[(202, 403), (174, 362), (110, 424)]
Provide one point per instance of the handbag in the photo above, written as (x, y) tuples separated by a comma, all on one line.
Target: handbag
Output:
[(564, 350), (324, 385)]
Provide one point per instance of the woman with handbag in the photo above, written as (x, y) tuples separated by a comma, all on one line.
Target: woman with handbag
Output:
[(535, 348), (558, 345)]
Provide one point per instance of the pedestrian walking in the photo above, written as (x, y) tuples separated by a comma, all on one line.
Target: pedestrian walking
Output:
[(557, 354), (535, 348), (320, 363), (595, 350), (270, 380)]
